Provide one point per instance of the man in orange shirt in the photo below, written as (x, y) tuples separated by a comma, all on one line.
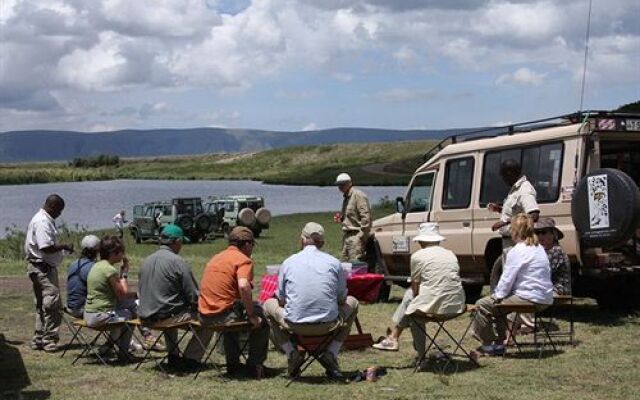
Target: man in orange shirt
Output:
[(225, 296)]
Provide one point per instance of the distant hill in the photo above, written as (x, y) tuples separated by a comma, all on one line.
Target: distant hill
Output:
[(42, 145)]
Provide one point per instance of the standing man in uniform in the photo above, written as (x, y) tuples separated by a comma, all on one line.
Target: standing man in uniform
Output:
[(520, 199), (355, 218), (44, 255), (119, 221)]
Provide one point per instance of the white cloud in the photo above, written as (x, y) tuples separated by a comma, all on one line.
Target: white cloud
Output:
[(310, 127), (400, 95), (522, 76)]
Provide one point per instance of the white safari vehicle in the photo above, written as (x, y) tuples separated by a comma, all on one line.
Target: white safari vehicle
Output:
[(585, 168)]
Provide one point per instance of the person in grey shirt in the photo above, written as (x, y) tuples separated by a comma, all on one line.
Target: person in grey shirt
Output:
[(311, 300), (168, 292)]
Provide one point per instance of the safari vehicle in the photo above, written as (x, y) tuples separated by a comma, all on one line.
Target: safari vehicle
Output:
[(585, 168), (239, 210), (187, 213)]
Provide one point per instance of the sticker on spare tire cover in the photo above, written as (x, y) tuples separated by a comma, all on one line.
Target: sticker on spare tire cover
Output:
[(598, 202)]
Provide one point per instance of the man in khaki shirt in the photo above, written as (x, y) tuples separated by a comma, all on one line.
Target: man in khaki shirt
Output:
[(355, 218)]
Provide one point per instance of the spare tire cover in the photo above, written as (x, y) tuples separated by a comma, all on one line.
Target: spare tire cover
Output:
[(605, 208), (247, 217), (263, 216), (203, 222), (185, 222)]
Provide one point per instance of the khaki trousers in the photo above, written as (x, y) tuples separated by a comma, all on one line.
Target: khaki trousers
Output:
[(282, 329), (489, 325), (44, 280), (353, 245)]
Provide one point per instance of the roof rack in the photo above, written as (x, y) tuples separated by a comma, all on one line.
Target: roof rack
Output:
[(484, 133)]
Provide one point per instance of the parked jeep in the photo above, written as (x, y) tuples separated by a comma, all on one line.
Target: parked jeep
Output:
[(239, 210), (187, 213), (586, 170)]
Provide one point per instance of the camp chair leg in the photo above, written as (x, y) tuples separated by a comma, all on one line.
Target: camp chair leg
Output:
[(77, 336), (148, 350), (432, 342), (464, 334), (459, 346), (546, 333), (313, 354), (209, 354), (90, 348)]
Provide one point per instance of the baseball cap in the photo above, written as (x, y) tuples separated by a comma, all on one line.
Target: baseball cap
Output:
[(90, 242), (241, 234), (342, 178), (172, 231), (313, 230)]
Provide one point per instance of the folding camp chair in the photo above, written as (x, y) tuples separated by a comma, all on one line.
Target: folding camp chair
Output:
[(75, 326), (163, 327), (103, 331), (505, 309), (418, 318), (547, 318), (314, 348), (220, 330)]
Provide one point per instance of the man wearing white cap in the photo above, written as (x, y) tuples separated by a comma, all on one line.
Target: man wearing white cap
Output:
[(436, 287), (77, 274), (355, 218), (311, 300)]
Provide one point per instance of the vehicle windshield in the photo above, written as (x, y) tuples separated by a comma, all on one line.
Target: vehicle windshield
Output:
[(419, 198)]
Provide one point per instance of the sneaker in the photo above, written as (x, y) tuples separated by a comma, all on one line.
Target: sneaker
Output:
[(149, 341), (134, 346), (50, 347), (491, 350), (294, 362), (36, 345), (387, 344)]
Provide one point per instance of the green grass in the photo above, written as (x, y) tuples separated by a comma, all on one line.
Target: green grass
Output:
[(371, 164), (603, 365)]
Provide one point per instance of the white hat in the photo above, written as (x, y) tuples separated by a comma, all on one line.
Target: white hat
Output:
[(90, 242), (429, 232), (313, 230), (342, 178)]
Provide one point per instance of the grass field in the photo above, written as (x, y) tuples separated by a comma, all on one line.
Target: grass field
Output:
[(604, 364), (370, 164)]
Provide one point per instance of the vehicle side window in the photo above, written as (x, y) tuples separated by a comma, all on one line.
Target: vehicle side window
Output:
[(148, 212), (167, 210), (541, 164), (419, 198), (458, 180), (229, 207)]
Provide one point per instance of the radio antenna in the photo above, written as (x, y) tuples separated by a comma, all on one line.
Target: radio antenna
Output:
[(586, 55)]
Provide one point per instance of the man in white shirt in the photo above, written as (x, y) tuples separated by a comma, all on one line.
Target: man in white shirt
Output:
[(44, 255), (119, 221)]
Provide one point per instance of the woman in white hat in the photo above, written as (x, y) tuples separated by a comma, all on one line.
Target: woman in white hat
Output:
[(436, 287)]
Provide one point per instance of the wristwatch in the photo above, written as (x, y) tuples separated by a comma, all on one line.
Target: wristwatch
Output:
[(124, 276)]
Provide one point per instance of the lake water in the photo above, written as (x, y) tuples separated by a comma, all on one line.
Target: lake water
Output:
[(93, 204)]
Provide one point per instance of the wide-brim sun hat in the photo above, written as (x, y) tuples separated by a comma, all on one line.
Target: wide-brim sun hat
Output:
[(548, 223), (429, 232)]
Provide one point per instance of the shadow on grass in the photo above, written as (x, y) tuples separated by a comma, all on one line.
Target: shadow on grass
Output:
[(590, 314), (13, 373), (533, 354)]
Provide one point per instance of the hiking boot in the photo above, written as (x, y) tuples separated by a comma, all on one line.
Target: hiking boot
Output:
[(149, 341), (36, 345), (260, 372), (294, 362), (330, 363), (50, 347), (387, 344)]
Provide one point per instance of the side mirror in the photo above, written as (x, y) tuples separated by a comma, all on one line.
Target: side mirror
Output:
[(400, 207)]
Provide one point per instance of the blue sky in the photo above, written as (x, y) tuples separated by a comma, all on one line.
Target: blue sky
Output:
[(303, 64)]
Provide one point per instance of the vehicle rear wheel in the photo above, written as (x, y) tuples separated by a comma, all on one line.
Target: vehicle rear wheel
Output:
[(203, 222), (185, 222)]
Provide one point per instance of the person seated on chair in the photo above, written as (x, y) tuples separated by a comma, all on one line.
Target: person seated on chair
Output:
[(77, 275), (549, 236), (168, 291), (525, 280), (436, 288), (311, 300), (108, 297), (225, 296)]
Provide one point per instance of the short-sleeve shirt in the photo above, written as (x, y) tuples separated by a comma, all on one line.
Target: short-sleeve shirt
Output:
[(42, 233), (520, 199), (77, 276), (100, 294), (166, 285), (310, 283), (356, 213), (438, 272), (219, 286)]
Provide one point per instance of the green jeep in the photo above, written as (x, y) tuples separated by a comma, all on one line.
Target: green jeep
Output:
[(241, 210), (187, 213)]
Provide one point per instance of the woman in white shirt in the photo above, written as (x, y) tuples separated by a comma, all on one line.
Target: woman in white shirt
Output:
[(526, 279)]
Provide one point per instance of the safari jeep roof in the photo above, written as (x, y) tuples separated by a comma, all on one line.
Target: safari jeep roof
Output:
[(239, 197)]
